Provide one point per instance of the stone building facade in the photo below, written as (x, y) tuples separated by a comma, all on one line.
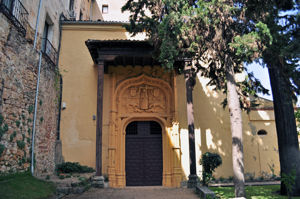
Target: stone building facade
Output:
[(20, 50), (139, 97)]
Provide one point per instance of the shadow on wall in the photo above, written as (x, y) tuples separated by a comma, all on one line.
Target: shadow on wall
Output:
[(212, 133)]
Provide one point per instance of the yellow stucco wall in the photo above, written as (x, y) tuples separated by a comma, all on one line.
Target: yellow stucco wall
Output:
[(212, 129), (80, 93), (212, 126)]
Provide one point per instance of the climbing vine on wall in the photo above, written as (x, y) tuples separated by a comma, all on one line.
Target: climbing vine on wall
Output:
[(3, 129)]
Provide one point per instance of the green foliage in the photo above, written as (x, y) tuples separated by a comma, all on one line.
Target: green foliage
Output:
[(2, 148), (21, 144), (297, 116), (23, 186), (1, 119), (30, 109), (193, 29), (12, 136), (41, 102), (73, 167), (252, 192), (209, 161), (18, 123), (41, 119), (289, 181), (3, 129), (272, 168)]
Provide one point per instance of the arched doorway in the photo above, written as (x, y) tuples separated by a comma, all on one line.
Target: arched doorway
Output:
[(143, 156)]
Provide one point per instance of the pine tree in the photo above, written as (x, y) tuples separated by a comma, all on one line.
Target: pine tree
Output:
[(282, 59)]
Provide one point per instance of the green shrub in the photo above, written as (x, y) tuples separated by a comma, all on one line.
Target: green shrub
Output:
[(209, 161), (21, 144), (288, 180), (2, 148), (73, 167)]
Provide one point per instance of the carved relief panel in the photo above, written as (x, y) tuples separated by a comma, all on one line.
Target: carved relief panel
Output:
[(144, 94), (143, 98)]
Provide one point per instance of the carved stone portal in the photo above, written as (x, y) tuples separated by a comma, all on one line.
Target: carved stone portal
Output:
[(142, 98)]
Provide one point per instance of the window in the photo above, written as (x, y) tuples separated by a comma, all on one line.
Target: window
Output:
[(71, 5), (131, 129), (80, 15), (16, 13), (47, 48), (262, 132), (104, 9), (45, 36)]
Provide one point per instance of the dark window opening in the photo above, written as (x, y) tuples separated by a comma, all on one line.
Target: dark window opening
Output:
[(80, 15), (131, 128), (71, 5), (155, 128), (45, 36), (47, 48), (262, 132), (104, 9)]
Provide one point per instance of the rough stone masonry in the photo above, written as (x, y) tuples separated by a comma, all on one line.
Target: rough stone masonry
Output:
[(18, 77)]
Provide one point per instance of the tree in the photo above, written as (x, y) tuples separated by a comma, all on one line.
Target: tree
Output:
[(211, 31), (282, 59)]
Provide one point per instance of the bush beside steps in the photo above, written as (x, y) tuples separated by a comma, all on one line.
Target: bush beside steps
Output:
[(72, 178)]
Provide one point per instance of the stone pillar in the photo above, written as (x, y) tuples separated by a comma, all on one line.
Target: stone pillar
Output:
[(100, 66), (190, 81)]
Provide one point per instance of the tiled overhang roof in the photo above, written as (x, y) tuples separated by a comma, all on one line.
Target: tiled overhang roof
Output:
[(90, 22)]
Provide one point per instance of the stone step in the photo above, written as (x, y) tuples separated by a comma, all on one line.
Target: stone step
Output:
[(205, 192), (70, 190)]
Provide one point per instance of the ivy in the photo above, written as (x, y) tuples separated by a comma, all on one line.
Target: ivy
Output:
[(12, 136), (21, 144), (1, 119), (2, 148), (30, 109)]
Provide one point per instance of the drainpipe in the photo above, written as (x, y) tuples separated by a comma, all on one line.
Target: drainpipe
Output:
[(37, 24), (61, 18), (34, 116)]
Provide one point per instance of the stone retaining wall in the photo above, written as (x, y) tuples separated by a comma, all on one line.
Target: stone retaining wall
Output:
[(18, 77)]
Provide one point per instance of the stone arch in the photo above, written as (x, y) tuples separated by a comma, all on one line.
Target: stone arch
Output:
[(141, 98)]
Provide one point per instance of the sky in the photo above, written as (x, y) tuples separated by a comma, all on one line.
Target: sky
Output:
[(262, 74)]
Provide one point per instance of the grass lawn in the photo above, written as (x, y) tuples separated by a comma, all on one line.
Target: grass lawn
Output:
[(24, 186), (252, 192)]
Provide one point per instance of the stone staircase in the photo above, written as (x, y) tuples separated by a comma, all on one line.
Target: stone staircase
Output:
[(73, 184)]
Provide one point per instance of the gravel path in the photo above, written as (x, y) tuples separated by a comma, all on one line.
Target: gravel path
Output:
[(137, 193)]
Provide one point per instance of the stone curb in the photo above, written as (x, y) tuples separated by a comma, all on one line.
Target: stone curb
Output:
[(247, 184)]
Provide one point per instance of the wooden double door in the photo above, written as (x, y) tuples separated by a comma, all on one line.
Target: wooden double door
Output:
[(144, 161)]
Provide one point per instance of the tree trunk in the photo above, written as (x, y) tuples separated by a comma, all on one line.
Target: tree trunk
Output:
[(189, 76), (287, 137), (236, 132)]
